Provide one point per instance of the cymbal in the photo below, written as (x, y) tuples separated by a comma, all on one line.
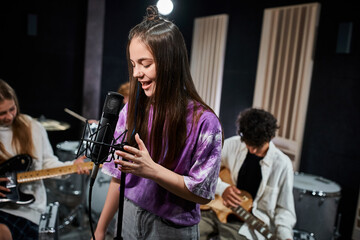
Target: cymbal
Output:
[(53, 125)]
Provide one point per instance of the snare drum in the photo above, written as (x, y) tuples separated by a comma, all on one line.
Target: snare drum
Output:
[(316, 203)]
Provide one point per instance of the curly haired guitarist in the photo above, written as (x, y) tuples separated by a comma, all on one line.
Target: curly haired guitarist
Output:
[(256, 166)]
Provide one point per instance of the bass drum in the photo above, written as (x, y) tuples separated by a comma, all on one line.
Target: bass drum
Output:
[(316, 203)]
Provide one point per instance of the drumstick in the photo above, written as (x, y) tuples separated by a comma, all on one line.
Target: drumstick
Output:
[(74, 114)]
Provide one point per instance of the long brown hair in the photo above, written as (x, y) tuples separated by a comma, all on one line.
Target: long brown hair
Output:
[(174, 89), (22, 140)]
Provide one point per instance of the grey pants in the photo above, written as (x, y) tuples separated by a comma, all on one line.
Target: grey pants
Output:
[(140, 224), (211, 228)]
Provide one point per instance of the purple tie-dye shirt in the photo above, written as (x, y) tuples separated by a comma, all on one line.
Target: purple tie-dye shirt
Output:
[(199, 164)]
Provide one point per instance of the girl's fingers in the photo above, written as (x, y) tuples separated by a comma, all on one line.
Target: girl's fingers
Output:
[(139, 142)]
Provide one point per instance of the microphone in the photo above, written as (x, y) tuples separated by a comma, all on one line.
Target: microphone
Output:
[(104, 134), (97, 141), (106, 127)]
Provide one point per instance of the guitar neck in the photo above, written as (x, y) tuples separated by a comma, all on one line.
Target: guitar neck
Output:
[(30, 176), (253, 222)]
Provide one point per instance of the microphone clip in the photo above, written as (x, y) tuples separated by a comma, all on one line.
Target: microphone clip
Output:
[(90, 145)]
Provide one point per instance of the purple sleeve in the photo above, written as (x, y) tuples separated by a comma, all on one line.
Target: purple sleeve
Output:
[(204, 173)]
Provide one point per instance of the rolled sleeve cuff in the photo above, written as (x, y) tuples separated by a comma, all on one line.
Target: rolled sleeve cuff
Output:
[(284, 233), (220, 187)]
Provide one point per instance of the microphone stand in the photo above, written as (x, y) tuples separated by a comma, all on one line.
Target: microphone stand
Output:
[(121, 207), (123, 176), (121, 194)]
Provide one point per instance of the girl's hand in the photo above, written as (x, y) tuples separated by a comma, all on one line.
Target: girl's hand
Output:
[(137, 161), (4, 189)]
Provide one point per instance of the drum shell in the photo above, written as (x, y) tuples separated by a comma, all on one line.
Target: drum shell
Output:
[(316, 210)]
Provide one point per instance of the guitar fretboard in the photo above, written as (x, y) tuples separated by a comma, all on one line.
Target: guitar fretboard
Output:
[(30, 176), (254, 222)]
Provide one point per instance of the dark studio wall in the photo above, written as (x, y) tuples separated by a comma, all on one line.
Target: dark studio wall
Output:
[(46, 70), (332, 130), (42, 59)]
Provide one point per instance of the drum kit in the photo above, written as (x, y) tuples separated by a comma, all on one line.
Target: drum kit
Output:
[(72, 193), (316, 202)]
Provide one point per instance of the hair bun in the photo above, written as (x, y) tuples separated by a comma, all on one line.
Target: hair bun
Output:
[(152, 13)]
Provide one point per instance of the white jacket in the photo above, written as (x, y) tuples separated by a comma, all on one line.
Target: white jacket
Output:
[(274, 201), (45, 159)]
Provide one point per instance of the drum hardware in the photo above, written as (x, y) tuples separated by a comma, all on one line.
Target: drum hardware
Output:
[(75, 214), (303, 235), (48, 224), (337, 234)]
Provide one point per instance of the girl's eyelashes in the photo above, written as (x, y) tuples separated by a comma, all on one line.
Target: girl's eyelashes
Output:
[(145, 64)]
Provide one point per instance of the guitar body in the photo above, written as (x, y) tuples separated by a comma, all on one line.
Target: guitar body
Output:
[(242, 212), (9, 169), (223, 212), (16, 170)]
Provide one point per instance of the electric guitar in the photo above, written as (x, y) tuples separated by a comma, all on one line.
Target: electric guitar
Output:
[(16, 171), (242, 211)]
